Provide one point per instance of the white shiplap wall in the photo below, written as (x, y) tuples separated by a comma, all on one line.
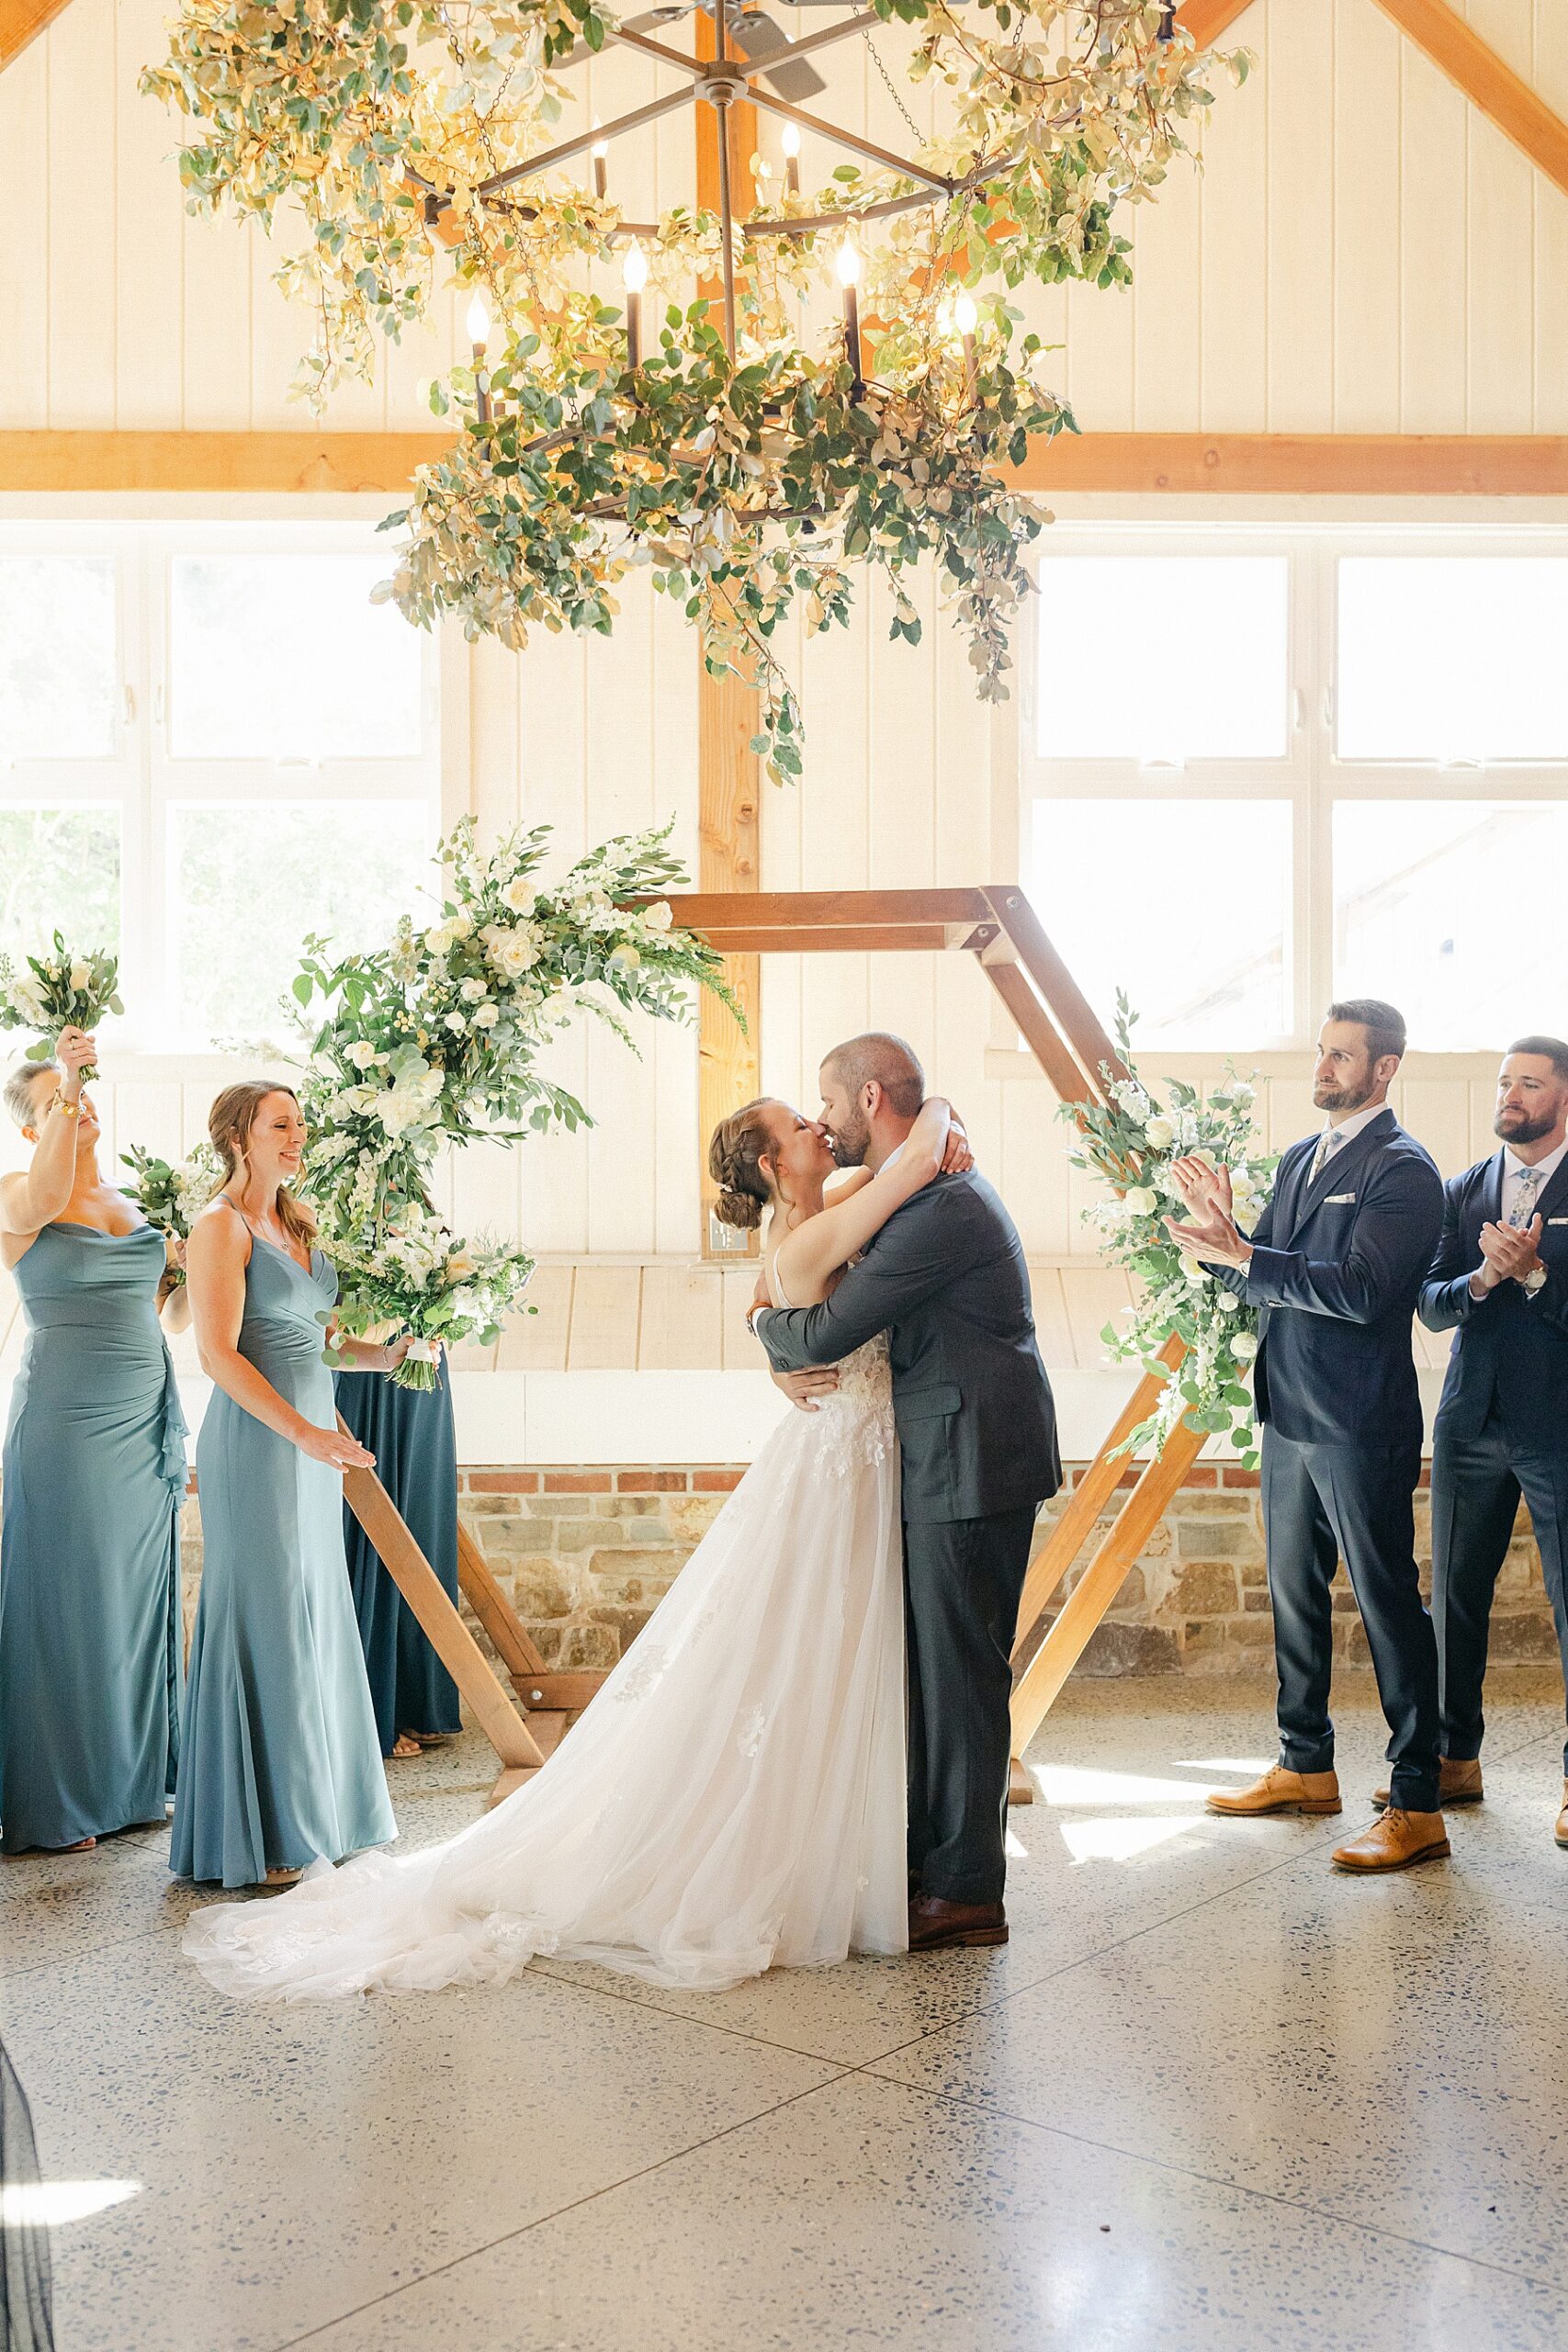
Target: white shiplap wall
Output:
[(1361, 253)]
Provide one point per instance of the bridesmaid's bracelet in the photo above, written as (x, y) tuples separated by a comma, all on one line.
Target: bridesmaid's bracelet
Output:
[(66, 1110)]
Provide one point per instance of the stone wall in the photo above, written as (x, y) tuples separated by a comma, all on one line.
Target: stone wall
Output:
[(586, 1554)]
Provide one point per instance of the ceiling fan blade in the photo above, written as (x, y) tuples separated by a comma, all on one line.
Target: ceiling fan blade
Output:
[(760, 38)]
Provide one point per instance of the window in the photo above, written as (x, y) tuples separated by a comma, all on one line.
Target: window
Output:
[(212, 744), (1302, 762)]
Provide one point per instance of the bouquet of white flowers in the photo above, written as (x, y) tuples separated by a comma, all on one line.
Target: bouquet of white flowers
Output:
[(172, 1194), (1131, 1144), (418, 1276), (60, 992)]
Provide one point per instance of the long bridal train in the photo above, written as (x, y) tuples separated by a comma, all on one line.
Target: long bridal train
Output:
[(733, 1800)]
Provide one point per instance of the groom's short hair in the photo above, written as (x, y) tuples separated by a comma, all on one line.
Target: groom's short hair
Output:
[(889, 1061)]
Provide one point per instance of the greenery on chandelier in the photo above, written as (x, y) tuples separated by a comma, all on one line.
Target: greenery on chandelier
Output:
[(749, 478), (1130, 1144)]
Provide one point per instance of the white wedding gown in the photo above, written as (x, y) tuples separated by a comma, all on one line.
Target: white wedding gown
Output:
[(732, 1801)]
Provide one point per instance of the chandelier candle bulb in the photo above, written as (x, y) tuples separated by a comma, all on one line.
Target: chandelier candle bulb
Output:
[(966, 318), (849, 277), (790, 144), (601, 166), (634, 274), (478, 324)]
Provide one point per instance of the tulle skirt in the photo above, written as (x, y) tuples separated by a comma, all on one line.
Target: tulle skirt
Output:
[(733, 1799)]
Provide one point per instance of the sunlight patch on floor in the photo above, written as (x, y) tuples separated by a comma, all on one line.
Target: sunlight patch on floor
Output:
[(46, 2204), (1122, 1841), (1073, 1785), (1226, 1763)]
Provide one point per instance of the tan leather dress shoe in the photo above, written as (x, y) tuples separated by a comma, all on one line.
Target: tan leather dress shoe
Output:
[(1458, 1784), (1281, 1791), (1394, 1840), (1562, 1818)]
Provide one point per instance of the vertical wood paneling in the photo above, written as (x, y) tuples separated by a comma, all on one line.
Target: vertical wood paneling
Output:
[(1501, 241), (1366, 220), (1234, 257), (1298, 84), (80, 181), (1166, 334), (24, 207), (1549, 76), (1434, 281), (149, 235)]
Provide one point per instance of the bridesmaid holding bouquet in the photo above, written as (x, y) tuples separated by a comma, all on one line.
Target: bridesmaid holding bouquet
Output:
[(95, 1471), (281, 1764)]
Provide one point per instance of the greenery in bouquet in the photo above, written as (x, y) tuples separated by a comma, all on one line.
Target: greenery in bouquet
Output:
[(172, 1194), (436, 1037), (1131, 1145), (65, 990), (418, 1276)]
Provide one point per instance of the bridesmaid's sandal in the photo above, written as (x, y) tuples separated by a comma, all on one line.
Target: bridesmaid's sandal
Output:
[(402, 1748), (82, 1846), (278, 1879)]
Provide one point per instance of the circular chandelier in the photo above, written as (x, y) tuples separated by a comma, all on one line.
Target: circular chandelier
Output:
[(694, 424)]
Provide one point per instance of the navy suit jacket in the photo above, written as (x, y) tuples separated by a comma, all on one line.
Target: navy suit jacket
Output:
[(1336, 1272), (1509, 1347)]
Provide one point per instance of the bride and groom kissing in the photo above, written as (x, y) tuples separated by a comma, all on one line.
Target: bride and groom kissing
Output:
[(805, 1752)]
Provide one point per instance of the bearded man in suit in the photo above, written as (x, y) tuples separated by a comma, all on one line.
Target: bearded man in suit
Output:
[(1334, 1267), (1499, 1282)]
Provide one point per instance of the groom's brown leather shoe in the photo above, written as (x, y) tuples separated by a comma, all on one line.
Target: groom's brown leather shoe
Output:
[(1281, 1791), (1562, 1818), (1458, 1784), (1394, 1840), (937, 1926)]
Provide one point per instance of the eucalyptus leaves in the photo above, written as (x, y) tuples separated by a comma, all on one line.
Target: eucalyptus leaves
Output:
[(65, 990), (748, 478), (1131, 1145)]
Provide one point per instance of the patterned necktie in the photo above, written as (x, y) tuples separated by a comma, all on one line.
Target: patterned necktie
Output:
[(1329, 1145), (1527, 1185)]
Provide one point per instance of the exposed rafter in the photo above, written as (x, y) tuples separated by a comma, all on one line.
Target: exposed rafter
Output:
[(1518, 112), (1207, 19), (21, 21)]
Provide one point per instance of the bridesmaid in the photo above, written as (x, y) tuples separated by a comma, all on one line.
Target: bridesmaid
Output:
[(94, 1470), (410, 1434), (280, 1764)]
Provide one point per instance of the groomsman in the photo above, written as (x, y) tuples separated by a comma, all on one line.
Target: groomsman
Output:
[(1500, 1280), (1335, 1266)]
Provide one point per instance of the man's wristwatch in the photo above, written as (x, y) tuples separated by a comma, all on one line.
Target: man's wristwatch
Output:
[(1534, 1282)]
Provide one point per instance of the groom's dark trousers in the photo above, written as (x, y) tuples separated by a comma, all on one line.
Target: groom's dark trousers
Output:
[(1502, 1430), (1337, 1269), (945, 1278)]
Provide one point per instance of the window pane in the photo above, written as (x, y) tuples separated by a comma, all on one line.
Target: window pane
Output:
[(59, 871), (247, 882), (57, 658), (1199, 664), (1453, 657), (1185, 904), (285, 656), (1437, 905)]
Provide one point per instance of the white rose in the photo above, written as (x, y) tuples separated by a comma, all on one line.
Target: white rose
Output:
[(362, 1054), (1242, 1095), (460, 926), (486, 1017), (1228, 1303), (519, 895), (1192, 1269), (1241, 1185), (1244, 1347), (81, 977), (455, 1023), (472, 990), (657, 917), (1160, 1133), (1142, 1200), (438, 939), (626, 958)]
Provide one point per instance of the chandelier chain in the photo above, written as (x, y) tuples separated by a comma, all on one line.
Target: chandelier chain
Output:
[(915, 130)]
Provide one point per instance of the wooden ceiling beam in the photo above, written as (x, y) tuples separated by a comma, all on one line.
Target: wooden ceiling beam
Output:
[(21, 21), (1520, 113), (1206, 20)]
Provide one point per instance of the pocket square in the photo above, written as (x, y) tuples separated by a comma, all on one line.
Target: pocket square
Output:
[(1556, 1220), (1338, 1200)]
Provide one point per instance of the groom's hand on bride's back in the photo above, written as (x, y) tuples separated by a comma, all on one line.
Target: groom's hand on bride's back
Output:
[(805, 1390)]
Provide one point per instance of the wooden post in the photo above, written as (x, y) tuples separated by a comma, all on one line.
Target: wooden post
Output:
[(728, 778)]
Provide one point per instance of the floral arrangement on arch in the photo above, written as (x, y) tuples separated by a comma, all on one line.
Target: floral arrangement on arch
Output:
[(1130, 1144), (751, 473), (434, 1039)]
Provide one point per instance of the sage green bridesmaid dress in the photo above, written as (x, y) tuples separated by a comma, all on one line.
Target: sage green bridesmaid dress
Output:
[(94, 1470), (280, 1764)]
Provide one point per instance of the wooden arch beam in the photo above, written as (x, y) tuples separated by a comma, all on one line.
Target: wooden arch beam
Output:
[(1521, 114), (21, 21)]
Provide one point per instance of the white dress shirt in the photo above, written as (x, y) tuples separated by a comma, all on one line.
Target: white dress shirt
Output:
[(1342, 1131)]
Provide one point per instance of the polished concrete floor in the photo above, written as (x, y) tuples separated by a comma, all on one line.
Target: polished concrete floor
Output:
[(1213, 2097)]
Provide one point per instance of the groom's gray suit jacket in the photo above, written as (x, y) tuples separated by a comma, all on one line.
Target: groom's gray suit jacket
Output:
[(946, 1278)]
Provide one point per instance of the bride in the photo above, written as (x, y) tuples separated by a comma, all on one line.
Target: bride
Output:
[(734, 1798)]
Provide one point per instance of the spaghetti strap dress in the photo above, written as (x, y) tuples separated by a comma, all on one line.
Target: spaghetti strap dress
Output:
[(94, 1470), (280, 1764)]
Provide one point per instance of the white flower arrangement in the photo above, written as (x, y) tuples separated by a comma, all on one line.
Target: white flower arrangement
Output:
[(60, 992), (172, 1194), (1132, 1143), (443, 1290)]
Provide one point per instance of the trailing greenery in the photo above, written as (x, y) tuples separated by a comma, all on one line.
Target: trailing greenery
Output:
[(748, 480), (1129, 1143)]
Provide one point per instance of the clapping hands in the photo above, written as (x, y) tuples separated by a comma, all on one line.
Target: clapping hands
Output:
[(1212, 1233), (1511, 1252)]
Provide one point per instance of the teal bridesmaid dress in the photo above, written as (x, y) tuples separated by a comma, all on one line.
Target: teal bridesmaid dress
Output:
[(94, 1469), (280, 1764), (411, 1434)]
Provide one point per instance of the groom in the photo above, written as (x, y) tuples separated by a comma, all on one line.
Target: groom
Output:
[(977, 1432)]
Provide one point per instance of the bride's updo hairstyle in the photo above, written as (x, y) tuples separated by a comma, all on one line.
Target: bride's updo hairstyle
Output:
[(229, 1122), (734, 1163)]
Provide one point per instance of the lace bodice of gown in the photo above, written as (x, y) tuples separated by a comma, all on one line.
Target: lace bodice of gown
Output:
[(855, 1424)]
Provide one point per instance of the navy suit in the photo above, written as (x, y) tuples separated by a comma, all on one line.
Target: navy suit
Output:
[(1502, 1428), (1337, 1269)]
